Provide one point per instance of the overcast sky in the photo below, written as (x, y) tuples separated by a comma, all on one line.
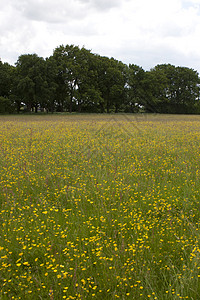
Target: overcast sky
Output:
[(142, 32)]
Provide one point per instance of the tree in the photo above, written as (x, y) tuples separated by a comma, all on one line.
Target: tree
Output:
[(32, 84), (136, 88), (51, 81), (156, 85), (176, 89), (77, 78), (74, 79), (111, 83), (7, 104), (5, 79), (87, 93), (186, 90), (69, 67)]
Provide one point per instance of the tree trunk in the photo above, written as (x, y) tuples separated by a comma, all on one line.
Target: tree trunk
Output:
[(102, 108)]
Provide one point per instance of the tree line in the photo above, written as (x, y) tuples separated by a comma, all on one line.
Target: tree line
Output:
[(74, 79)]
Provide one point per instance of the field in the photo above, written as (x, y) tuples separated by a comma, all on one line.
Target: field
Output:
[(100, 207)]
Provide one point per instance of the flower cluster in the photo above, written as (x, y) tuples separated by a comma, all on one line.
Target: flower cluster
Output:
[(99, 207)]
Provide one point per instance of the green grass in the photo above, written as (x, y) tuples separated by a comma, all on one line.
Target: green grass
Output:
[(99, 207)]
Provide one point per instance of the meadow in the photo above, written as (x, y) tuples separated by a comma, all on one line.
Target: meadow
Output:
[(100, 207)]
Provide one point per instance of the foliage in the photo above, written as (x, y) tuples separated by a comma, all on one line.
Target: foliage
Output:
[(5, 79), (31, 72), (177, 89), (5, 105), (75, 79)]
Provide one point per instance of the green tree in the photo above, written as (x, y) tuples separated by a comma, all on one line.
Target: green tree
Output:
[(186, 90), (87, 93), (5, 79), (174, 89), (32, 84), (7, 104), (111, 83), (156, 85), (51, 82), (77, 84), (136, 88), (69, 69)]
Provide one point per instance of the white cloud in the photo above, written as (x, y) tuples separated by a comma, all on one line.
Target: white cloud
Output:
[(102, 4), (61, 11), (141, 31)]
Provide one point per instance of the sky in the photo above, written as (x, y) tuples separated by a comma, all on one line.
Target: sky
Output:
[(141, 32)]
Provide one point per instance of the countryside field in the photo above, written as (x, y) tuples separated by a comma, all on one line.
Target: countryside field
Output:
[(100, 207)]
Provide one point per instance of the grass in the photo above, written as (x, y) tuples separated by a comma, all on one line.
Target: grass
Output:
[(100, 207)]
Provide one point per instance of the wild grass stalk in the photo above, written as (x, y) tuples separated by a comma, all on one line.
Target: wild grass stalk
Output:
[(99, 207)]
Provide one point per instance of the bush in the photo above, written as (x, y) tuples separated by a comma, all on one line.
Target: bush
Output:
[(6, 105)]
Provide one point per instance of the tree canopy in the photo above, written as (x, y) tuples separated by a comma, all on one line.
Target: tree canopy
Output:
[(74, 79)]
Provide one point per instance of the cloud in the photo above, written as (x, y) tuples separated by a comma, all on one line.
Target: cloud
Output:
[(135, 31), (61, 11), (102, 4)]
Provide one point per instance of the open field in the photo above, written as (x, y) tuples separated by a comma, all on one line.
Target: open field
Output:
[(100, 207)]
